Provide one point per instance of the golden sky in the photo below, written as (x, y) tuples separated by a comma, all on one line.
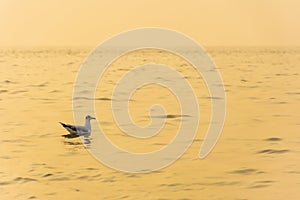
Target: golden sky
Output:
[(88, 22)]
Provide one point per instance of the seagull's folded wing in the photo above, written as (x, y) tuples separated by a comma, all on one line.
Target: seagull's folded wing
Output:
[(82, 129), (70, 128)]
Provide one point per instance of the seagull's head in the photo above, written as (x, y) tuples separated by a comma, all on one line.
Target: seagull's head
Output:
[(89, 117)]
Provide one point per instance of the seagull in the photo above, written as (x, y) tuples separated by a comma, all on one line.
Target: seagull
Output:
[(77, 131)]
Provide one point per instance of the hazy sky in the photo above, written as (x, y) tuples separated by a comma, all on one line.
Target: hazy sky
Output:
[(88, 22)]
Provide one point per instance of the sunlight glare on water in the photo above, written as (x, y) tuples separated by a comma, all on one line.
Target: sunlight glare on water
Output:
[(257, 156)]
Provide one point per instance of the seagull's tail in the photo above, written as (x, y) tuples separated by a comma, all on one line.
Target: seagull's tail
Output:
[(64, 125)]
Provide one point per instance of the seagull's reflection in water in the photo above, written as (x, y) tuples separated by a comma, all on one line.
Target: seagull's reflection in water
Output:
[(84, 142), (87, 141)]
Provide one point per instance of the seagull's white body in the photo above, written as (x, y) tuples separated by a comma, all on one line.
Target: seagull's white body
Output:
[(80, 130)]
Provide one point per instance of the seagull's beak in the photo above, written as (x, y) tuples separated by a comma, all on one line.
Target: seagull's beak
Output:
[(93, 118)]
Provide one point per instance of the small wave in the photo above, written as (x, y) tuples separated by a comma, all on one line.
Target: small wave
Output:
[(281, 115), (225, 183), (273, 151), (89, 178), (97, 175), (9, 82), (3, 91), (108, 180), (259, 186), (281, 74), (209, 97), (172, 116), (293, 172), (172, 184), (122, 69), (42, 99), (24, 179), (40, 85), (132, 176), (218, 183), (14, 140), (273, 139), (60, 179), (50, 193), (5, 157), (293, 93), (97, 99), (266, 181), (5, 183), (19, 91), (247, 171), (54, 91), (280, 102), (160, 144), (198, 140), (70, 63), (103, 99), (91, 168), (47, 175)]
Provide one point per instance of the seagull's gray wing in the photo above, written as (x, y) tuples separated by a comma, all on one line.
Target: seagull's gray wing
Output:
[(82, 130), (72, 129)]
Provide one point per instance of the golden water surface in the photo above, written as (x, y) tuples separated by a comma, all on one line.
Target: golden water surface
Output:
[(256, 157)]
